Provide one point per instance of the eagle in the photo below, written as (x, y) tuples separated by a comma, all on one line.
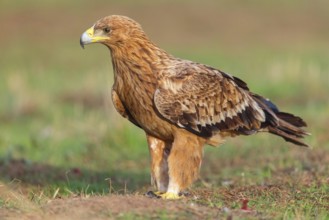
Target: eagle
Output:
[(180, 104)]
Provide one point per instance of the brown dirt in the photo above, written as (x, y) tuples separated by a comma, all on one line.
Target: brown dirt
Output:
[(114, 206)]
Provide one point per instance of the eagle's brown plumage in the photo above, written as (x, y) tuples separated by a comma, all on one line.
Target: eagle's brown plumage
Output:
[(181, 105)]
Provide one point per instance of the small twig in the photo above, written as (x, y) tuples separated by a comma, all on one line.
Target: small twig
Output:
[(67, 177), (86, 191), (110, 185), (55, 194), (40, 196), (69, 191)]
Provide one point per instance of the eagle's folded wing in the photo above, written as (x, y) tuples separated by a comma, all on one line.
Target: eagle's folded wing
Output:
[(204, 100), (121, 109)]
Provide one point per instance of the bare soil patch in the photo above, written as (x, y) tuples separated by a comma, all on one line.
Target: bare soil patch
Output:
[(116, 206)]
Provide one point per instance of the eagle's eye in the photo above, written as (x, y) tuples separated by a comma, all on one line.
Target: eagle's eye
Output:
[(107, 30)]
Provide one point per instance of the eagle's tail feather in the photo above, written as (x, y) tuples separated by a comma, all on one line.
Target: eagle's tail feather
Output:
[(289, 128), (285, 125)]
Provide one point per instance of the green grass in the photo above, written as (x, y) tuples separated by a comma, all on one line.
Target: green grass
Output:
[(60, 136)]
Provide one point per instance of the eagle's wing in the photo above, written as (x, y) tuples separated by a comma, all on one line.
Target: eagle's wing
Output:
[(205, 100), (121, 109)]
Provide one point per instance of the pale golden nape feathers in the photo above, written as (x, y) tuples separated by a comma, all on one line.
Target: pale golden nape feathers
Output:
[(180, 104)]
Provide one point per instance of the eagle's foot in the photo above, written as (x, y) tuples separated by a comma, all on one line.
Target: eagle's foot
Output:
[(163, 195), (170, 196), (159, 193), (152, 195)]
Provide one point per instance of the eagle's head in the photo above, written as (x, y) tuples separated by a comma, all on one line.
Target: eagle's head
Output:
[(113, 31)]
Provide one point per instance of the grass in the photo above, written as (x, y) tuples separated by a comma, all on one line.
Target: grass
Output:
[(64, 149)]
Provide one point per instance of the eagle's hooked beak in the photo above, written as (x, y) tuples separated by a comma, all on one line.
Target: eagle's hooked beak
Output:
[(90, 36), (87, 37)]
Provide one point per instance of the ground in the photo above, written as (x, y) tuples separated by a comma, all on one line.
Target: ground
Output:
[(66, 153)]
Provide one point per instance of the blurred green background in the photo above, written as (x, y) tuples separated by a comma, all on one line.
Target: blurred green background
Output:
[(57, 123)]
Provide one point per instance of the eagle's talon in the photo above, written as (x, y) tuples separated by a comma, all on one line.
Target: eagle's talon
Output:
[(184, 194), (152, 195)]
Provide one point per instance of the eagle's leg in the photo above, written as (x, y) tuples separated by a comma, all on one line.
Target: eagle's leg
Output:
[(184, 162), (159, 151)]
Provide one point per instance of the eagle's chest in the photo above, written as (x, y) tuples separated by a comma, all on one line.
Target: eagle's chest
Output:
[(136, 93)]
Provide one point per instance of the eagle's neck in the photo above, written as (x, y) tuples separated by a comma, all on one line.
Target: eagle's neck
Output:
[(136, 68), (138, 57)]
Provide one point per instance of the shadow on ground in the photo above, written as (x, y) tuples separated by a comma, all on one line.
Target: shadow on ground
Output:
[(25, 174)]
